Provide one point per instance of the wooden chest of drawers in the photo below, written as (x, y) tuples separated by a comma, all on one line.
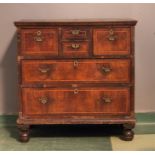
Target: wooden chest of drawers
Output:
[(76, 72)]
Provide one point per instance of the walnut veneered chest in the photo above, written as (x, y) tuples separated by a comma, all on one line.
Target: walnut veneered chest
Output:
[(76, 72)]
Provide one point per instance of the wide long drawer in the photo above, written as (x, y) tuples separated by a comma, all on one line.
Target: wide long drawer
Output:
[(41, 101), (47, 71)]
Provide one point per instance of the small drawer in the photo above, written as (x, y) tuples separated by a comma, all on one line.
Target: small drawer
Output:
[(75, 33), (39, 41), (48, 71), (111, 41), (75, 49), (41, 101)]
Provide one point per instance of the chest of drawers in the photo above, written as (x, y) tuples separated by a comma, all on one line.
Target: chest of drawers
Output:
[(76, 72)]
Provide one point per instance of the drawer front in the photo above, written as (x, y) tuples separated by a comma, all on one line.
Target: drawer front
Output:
[(75, 33), (115, 41), (75, 48), (39, 41), (73, 70), (91, 100)]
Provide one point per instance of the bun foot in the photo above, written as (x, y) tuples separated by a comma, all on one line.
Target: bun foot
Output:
[(23, 133), (128, 133)]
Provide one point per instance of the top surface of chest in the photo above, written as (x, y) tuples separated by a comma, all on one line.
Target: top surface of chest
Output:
[(75, 22)]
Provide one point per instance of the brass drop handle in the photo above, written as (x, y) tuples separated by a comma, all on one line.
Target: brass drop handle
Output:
[(75, 46), (106, 100), (43, 100), (75, 32), (44, 70), (112, 36), (38, 37), (106, 69)]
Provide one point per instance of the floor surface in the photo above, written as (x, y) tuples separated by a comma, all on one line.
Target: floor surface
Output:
[(79, 137)]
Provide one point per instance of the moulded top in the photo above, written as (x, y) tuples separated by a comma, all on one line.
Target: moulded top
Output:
[(88, 21)]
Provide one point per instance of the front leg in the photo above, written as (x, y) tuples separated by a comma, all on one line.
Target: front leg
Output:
[(23, 132), (128, 133)]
